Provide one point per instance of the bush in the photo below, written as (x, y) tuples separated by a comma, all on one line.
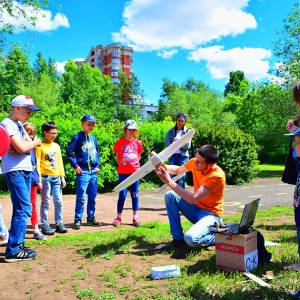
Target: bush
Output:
[(237, 149)]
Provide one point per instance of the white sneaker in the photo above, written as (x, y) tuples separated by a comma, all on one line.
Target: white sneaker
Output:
[(39, 236), (4, 240)]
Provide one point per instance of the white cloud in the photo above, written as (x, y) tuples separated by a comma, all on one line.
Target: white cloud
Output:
[(164, 24), (60, 66), (167, 53), (219, 62), (44, 22)]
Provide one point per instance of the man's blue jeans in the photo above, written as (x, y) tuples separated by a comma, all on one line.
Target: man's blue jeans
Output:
[(178, 160), (199, 233), (51, 184), (86, 183), (19, 183), (134, 193)]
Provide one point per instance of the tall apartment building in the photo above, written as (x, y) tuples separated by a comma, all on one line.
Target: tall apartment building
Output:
[(111, 59)]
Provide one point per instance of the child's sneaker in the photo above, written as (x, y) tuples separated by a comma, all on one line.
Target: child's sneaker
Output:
[(61, 228), (136, 222), (22, 254), (4, 239), (92, 222), (77, 225), (47, 230), (39, 236), (117, 222)]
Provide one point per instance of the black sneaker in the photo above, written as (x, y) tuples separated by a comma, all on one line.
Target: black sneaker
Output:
[(61, 228), (77, 225), (92, 222), (21, 255), (174, 244), (47, 230)]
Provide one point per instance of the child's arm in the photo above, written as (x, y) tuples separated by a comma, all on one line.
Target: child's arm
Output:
[(71, 157), (24, 146), (97, 168), (61, 168), (63, 182), (38, 154)]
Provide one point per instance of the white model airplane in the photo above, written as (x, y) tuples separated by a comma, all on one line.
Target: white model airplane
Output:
[(155, 160), (163, 187)]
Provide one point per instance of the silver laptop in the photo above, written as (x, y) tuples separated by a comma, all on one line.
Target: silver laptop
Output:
[(247, 219)]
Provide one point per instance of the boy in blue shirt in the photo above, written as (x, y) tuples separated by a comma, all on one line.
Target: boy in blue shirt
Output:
[(83, 155)]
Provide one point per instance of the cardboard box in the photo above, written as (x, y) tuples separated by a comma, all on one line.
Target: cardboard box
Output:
[(237, 252)]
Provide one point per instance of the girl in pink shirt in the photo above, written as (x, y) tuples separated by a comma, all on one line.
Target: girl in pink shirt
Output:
[(128, 151)]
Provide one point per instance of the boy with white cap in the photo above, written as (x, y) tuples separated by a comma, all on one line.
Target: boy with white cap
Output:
[(16, 170)]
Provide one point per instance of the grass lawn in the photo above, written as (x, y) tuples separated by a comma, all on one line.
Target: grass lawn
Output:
[(270, 170), (116, 265)]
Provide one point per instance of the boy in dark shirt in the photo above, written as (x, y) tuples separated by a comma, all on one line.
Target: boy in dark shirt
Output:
[(83, 155)]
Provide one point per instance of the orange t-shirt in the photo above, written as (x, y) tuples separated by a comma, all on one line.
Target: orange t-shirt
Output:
[(215, 181)]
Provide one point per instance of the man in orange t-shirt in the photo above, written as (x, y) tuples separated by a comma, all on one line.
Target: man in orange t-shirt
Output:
[(203, 207)]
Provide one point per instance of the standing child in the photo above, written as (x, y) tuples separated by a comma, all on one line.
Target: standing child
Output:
[(50, 167), (16, 170), (83, 155), (296, 202), (3, 229), (128, 150), (35, 185)]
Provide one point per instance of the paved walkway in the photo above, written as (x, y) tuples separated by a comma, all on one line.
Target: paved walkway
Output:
[(271, 191)]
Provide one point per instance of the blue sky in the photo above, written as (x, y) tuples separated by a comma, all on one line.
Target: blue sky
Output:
[(171, 38)]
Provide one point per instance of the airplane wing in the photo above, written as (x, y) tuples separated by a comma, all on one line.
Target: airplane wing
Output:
[(148, 167), (163, 187), (140, 173), (166, 153)]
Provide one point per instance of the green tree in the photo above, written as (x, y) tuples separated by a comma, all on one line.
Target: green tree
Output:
[(87, 90), (41, 66), (237, 85), (47, 95), (15, 72), (286, 47), (200, 103), (129, 97), (16, 9)]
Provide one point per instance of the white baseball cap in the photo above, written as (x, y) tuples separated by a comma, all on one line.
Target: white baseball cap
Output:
[(24, 101)]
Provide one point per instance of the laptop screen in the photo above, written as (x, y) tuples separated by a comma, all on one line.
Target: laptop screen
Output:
[(248, 216)]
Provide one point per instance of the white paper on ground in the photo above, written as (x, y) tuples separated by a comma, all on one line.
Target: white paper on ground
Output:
[(268, 243)]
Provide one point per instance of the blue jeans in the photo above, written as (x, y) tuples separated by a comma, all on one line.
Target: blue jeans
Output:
[(51, 184), (19, 183), (86, 183), (134, 193), (199, 233), (178, 160), (3, 228)]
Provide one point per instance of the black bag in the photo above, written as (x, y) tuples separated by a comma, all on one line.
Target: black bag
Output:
[(189, 175), (263, 255), (289, 174)]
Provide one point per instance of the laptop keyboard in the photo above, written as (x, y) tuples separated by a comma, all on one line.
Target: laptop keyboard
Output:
[(233, 228)]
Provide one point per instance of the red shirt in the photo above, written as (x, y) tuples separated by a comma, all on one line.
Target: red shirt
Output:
[(129, 153)]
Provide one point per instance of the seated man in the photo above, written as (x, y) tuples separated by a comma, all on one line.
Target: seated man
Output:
[(203, 207)]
